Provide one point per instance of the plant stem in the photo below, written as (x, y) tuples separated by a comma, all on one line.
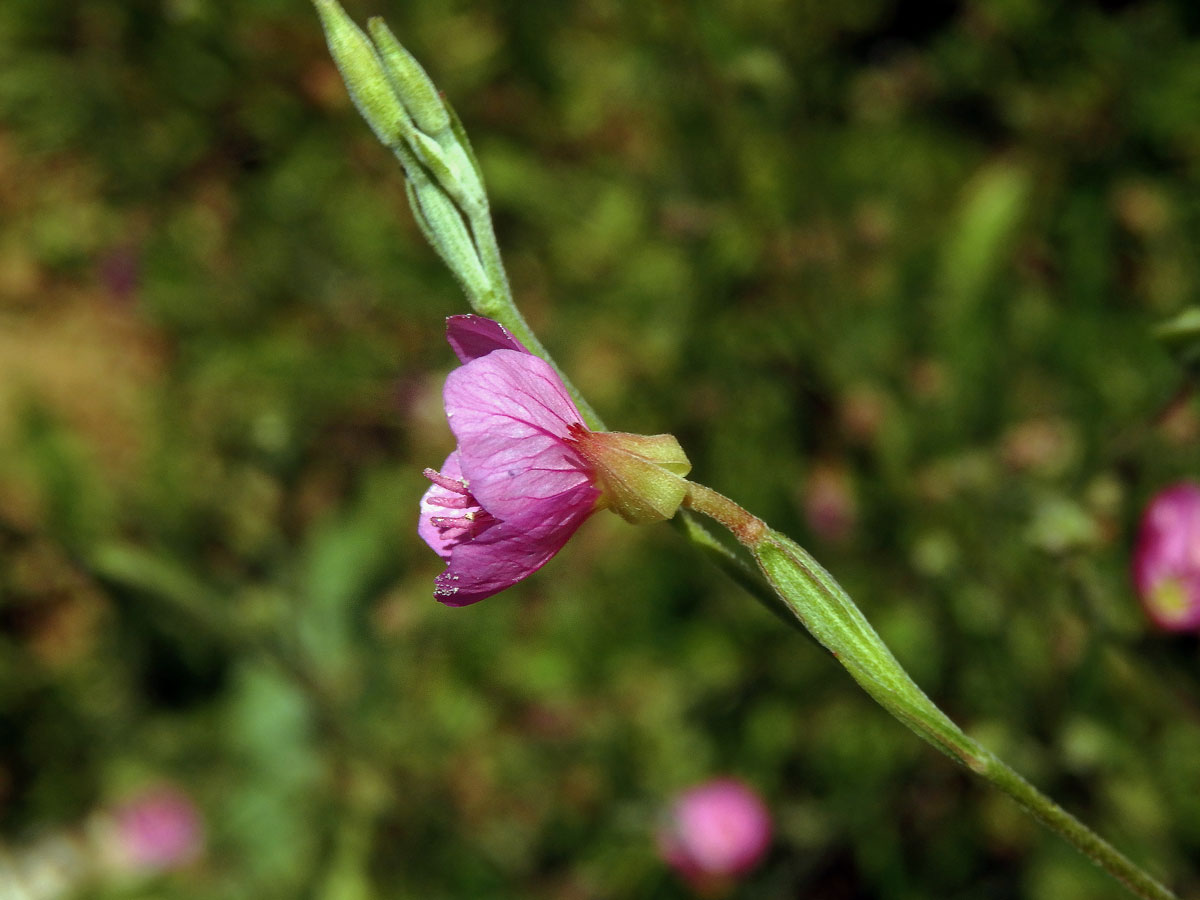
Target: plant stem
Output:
[(819, 602), (745, 526)]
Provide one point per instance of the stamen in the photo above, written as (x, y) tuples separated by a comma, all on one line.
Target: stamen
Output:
[(457, 501), (454, 485), (460, 529), (470, 520)]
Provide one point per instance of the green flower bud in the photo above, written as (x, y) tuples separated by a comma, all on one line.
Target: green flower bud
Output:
[(461, 150), (363, 72), (411, 83)]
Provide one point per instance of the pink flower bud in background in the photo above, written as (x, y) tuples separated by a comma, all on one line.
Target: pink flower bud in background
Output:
[(158, 830), (120, 271), (1166, 561), (829, 505), (715, 832)]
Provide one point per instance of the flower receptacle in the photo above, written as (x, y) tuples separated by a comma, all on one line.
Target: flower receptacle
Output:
[(640, 477)]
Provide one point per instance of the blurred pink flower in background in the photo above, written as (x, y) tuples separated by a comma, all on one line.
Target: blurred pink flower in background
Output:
[(154, 831), (120, 271), (830, 508), (714, 833), (1166, 560)]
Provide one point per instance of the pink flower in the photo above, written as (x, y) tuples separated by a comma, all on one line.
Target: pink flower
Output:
[(516, 488), (527, 471), (160, 829), (829, 504), (715, 832), (1166, 561)]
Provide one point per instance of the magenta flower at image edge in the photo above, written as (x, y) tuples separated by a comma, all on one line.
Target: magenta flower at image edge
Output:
[(1166, 560), (717, 830), (527, 472)]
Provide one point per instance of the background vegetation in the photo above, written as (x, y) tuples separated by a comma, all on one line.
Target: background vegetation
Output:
[(888, 269)]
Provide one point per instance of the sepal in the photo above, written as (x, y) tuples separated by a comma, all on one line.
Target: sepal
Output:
[(640, 477)]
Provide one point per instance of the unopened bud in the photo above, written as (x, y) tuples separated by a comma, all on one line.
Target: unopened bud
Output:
[(410, 81), (362, 71)]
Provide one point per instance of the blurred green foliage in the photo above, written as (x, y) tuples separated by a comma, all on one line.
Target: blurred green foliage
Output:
[(891, 272)]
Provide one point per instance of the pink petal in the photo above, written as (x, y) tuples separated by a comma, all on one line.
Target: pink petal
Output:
[(719, 829), (1166, 562), (471, 337), (509, 551), (510, 413), (160, 829)]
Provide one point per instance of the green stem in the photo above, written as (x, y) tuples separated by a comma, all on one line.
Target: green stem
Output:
[(737, 568), (820, 603)]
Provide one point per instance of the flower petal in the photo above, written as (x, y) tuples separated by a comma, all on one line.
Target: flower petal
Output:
[(471, 337), (510, 413), (509, 551), (1166, 561)]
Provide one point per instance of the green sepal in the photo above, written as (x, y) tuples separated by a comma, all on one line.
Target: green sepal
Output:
[(640, 476)]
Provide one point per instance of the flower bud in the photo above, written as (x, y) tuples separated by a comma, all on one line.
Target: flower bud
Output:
[(640, 476), (1166, 561), (410, 81), (715, 832), (158, 830), (363, 72)]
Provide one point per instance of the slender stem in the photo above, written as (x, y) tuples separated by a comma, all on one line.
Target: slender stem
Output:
[(1057, 819), (819, 602), (737, 568), (745, 526)]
